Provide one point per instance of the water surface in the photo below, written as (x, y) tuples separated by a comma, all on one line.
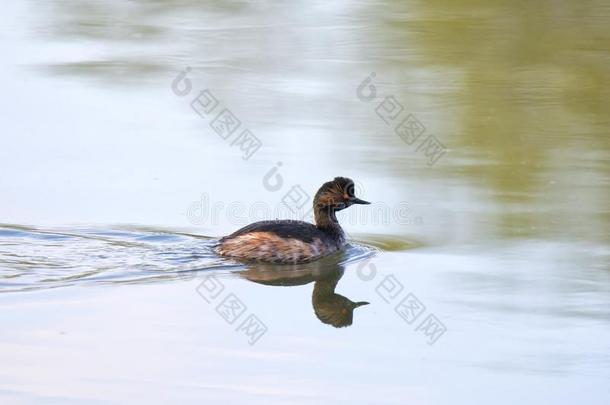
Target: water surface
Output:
[(114, 189)]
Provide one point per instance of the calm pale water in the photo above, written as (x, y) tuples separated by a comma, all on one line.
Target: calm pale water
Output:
[(486, 269)]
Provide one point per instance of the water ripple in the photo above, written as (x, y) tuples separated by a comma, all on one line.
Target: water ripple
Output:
[(34, 258)]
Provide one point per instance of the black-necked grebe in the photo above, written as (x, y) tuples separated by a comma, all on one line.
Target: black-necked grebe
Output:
[(291, 242)]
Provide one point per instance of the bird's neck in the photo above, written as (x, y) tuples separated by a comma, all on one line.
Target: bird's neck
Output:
[(325, 217), (326, 220)]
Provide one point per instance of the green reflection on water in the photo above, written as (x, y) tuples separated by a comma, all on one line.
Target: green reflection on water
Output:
[(530, 82)]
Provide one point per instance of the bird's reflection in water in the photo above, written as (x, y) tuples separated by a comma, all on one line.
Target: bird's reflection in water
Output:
[(330, 308)]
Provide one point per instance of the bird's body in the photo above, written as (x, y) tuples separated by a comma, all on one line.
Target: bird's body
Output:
[(282, 241), (288, 241)]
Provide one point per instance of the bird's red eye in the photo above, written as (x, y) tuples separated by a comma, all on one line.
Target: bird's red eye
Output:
[(350, 189)]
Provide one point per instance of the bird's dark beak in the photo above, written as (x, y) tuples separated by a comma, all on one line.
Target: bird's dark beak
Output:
[(355, 200), (361, 303)]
